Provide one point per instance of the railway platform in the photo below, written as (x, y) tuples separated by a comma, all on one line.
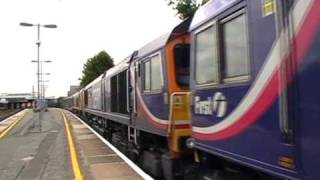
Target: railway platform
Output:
[(58, 145)]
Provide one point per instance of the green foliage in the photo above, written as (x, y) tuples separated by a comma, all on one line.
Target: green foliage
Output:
[(185, 8), (95, 66)]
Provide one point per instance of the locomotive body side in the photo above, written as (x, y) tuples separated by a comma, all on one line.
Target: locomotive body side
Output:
[(249, 109), (151, 89), (141, 104), (93, 94), (106, 96)]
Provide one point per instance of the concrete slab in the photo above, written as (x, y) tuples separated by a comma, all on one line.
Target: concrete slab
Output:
[(74, 121), (86, 147), (2, 128), (126, 178), (123, 178), (86, 136), (104, 159), (78, 126), (97, 151), (92, 142), (36, 148), (81, 131), (104, 163), (6, 123), (111, 170)]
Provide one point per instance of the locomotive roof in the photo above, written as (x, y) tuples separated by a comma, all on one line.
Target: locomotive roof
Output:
[(208, 11), (145, 50), (75, 94), (68, 97), (153, 45), (93, 82), (118, 67), (161, 41)]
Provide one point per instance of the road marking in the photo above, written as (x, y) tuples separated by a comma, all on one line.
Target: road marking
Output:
[(12, 125), (122, 156), (73, 153)]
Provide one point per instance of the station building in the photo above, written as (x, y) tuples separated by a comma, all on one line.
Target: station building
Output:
[(16, 101)]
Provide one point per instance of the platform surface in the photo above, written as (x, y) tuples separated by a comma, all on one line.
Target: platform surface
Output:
[(37, 147)]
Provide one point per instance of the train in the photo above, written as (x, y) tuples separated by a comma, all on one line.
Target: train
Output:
[(229, 93)]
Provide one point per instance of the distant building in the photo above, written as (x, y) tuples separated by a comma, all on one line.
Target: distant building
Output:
[(16, 100), (73, 89)]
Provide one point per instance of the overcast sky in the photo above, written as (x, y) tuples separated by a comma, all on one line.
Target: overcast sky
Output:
[(85, 27)]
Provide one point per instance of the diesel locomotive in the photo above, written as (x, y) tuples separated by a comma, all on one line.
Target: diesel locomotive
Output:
[(230, 93)]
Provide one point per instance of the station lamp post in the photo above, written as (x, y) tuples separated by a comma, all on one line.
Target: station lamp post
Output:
[(41, 76), (44, 87), (38, 54)]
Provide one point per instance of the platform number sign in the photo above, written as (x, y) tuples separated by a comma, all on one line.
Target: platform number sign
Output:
[(268, 7)]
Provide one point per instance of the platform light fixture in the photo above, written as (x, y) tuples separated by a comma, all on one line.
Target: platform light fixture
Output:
[(36, 61), (39, 67), (25, 24)]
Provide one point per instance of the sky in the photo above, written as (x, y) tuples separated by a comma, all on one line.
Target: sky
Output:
[(85, 27)]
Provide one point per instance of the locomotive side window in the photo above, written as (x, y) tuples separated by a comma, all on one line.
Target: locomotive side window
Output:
[(224, 59), (152, 75), (147, 74), (156, 82), (206, 56), (235, 48)]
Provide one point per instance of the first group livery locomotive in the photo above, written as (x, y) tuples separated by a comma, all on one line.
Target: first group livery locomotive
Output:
[(231, 93)]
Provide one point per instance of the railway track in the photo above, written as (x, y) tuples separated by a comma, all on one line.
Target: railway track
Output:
[(7, 113)]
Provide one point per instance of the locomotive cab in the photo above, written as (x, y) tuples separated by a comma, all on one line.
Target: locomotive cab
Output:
[(182, 65)]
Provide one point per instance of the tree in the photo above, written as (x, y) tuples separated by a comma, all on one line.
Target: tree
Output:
[(95, 66), (185, 8)]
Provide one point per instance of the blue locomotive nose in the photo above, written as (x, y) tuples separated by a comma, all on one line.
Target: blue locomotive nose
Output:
[(263, 62)]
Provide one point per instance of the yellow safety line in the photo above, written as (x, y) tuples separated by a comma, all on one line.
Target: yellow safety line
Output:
[(74, 157), (11, 126)]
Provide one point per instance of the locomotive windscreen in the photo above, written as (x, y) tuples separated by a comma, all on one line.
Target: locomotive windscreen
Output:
[(182, 64)]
